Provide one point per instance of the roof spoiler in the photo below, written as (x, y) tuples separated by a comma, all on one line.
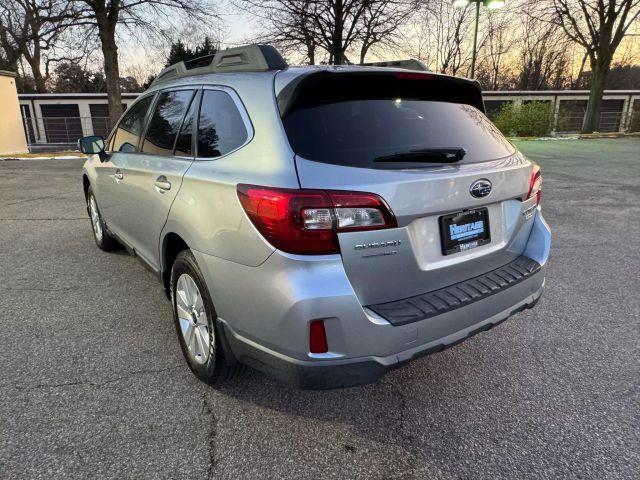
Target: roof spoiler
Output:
[(409, 64), (248, 58), (329, 86)]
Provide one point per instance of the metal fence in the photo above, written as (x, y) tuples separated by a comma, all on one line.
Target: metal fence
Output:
[(62, 132), (51, 133), (571, 122)]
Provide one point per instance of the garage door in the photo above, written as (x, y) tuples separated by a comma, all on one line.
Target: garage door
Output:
[(61, 123)]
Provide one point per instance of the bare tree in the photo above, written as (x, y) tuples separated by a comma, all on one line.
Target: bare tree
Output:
[(139, 15), (381, 22), (34, 28), (598, 26), (287, 24), (500, 41), (337, 23), (13, 35), (444, 37), (544, 55), (47, 20), (333, 26)]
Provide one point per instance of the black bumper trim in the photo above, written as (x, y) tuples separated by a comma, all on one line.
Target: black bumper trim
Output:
[(437, 302)]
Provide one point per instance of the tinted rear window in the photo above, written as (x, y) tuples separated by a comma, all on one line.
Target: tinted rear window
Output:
[(357, 132), (220, 127)]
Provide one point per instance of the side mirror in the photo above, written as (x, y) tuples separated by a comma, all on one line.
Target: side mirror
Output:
[(91, 144)]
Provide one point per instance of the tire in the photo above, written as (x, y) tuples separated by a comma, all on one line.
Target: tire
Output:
[(103, 239), (195, 320)]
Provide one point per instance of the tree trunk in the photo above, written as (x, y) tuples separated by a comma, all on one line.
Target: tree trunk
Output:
[(311, 50), (34, 64), (364, 50), (106, 32), (40, 83), (599, 72), (336, 39)]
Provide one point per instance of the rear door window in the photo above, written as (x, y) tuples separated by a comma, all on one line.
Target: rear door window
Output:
[(130, 127), (184, 142), (166, 121), (220, 125)]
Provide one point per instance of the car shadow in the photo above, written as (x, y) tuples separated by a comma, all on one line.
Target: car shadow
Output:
[(386, 412)]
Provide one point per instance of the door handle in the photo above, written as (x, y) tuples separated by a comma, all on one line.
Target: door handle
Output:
[(162, 184), (118, 176)]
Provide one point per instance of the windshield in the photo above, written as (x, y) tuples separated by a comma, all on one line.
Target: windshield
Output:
[(376, 133)]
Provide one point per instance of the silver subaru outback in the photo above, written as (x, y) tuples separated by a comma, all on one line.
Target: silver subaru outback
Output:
[(321, 224)]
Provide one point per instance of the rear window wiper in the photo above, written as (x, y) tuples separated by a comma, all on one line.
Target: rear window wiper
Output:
[(426, 155)]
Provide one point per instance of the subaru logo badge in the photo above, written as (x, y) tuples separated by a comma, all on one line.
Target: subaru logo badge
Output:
[(480, 188)]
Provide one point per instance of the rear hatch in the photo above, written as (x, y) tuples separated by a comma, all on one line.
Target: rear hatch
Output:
[(423, 144)]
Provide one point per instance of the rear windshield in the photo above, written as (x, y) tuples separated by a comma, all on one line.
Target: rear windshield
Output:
[(375, 132), (362, 133)]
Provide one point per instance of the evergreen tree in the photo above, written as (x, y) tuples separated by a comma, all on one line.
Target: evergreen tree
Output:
[(179, 52)]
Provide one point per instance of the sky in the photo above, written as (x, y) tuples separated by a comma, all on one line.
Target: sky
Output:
[(234, 27), (141, 58)]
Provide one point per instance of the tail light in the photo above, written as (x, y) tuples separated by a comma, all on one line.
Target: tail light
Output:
[(535, 184), (317, 337), (308, 221)]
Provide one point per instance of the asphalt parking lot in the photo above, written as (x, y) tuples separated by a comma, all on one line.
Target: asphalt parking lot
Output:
[(93, 383)]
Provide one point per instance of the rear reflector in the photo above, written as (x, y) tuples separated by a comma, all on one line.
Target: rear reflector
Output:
[(317, 337), (308, 221)]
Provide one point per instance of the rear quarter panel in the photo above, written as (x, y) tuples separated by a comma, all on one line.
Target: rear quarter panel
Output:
[(207, 213)]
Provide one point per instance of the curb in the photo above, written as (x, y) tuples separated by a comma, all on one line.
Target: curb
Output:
[(580, 136)]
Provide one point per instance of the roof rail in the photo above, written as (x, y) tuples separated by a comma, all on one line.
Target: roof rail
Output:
[(409, 64), (248, 58)]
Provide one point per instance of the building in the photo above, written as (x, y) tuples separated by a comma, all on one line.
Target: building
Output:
[(11, 138), (59, 119)]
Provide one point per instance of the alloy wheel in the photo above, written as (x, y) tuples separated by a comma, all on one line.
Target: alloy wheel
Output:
[(192, 317), (95, 218)]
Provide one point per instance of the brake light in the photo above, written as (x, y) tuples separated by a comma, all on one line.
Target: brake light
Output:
[(308, 221), (413, 76), (535, 184), (317, 337)]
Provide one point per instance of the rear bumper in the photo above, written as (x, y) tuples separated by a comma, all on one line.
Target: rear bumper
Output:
[(266, 311), (339, 373)]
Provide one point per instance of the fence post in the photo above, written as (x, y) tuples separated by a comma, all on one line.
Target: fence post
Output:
[(85, 119), (556, 114), (626, 114)]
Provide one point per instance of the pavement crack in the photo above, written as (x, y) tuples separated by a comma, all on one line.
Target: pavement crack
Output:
[(212, 433), (402, 400), (61, 289), (91, 383), (538, 360), (26, 200)]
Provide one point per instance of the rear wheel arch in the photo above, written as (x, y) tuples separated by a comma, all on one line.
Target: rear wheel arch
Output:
[(172, 245)]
